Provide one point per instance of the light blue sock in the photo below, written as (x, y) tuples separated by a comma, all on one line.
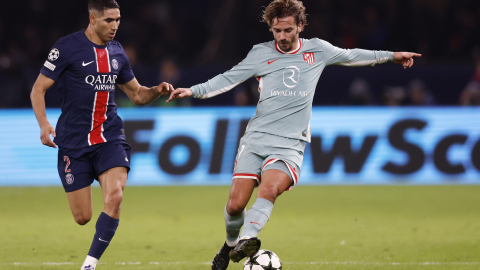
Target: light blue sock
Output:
[(257, 217), (233, 225)]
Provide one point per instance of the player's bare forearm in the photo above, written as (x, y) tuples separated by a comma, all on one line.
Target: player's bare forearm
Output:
[(147, 95), (405, 58), (180, 93), (141, 95), (38, 104)]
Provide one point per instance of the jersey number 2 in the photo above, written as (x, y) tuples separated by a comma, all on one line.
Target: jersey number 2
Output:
[(67, 170)]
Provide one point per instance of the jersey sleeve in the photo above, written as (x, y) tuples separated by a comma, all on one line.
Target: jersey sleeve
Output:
[(355, 57), (126, 74), (59, 57), (231, 78)]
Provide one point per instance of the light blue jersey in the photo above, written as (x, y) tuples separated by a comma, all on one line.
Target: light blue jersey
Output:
[(287, 82)]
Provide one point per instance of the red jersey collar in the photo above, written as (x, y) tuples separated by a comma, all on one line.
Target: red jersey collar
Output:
[(291, 52)]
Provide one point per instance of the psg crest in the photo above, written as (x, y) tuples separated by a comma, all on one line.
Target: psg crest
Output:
[(309, 58), (53, 55), (115, 64), (69, 178)]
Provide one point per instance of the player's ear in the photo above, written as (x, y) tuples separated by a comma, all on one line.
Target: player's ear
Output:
[(300, 27), (93, 18)]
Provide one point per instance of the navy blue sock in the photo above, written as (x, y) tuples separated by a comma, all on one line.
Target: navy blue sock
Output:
[(106, 227)]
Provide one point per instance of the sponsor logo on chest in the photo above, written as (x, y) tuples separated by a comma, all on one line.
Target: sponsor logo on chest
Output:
[(103, 64), (102, 82)]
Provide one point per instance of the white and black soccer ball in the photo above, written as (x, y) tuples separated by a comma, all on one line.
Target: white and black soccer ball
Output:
[(263, 260)]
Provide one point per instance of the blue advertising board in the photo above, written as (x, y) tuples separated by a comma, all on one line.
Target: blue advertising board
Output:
[(197, 146)]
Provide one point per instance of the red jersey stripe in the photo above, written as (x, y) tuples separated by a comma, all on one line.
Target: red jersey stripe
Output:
[(103, 60), (99, 116)]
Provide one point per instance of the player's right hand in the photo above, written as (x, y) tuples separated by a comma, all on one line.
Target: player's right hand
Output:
[(180, 93), (45, 132), (165, 88)]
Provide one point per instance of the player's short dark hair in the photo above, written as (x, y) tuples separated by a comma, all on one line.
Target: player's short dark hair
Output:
[(101, 5), (278, 9)]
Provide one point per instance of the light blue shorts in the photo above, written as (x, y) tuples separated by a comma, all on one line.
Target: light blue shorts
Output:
[(258, 152)]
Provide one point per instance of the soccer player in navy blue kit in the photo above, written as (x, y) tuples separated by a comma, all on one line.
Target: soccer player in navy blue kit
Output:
[(86, 66)]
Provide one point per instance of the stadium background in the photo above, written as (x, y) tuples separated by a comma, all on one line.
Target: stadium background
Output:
[(375, 130), (187, 42)]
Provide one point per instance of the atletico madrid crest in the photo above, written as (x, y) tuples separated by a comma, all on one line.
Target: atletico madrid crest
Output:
[(309, 58)]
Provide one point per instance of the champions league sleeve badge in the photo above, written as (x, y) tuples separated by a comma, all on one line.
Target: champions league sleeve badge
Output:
[(115, 64), (53, 55)]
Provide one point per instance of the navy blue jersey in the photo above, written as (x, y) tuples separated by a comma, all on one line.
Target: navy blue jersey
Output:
[(86, 74)]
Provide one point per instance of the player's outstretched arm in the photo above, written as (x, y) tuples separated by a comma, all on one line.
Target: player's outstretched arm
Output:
[(405, 58), (141, 95), (180, 93), (42, 84)]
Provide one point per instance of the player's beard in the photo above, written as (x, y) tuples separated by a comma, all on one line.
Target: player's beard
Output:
[(288, 43)]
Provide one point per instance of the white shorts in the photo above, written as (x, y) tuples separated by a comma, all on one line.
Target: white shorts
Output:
[(258, 152)]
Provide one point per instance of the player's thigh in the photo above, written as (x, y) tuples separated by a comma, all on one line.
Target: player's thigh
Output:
[(75, 171), (274, 183), (113, 181), (285, 164), (80, 202), (111, 164)]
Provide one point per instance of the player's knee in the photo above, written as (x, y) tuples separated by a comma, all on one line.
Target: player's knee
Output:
[(235, 208), (82, 219), (114, 200), (271, 193)]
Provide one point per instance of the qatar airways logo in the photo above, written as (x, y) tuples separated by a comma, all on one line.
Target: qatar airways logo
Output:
[(102, 82)]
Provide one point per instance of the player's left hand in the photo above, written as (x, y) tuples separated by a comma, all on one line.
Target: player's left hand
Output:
[(165, 88), (180, 93), (405, 58)]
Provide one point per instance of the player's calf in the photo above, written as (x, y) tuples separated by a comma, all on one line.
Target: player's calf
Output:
[(105, 230)]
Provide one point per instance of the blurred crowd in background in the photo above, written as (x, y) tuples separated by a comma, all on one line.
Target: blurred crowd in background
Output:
[(185, 42)]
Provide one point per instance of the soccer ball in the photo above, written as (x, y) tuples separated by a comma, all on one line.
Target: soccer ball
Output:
[(263, 260)]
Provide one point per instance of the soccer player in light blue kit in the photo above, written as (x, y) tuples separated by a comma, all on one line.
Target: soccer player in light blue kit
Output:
[(270, 153)]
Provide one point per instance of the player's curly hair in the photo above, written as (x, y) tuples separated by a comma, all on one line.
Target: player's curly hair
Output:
[(285, 8), (101, 5)]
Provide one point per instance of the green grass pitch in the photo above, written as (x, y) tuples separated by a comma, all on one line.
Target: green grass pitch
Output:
[(312, 227)]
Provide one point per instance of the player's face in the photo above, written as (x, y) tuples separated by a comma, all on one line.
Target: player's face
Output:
[(106, 25), (286, 32)]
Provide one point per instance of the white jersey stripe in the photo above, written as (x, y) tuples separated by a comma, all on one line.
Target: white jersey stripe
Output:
[(108, 60), (96, 58), (93, 114), (364, 62), (217, 92)]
